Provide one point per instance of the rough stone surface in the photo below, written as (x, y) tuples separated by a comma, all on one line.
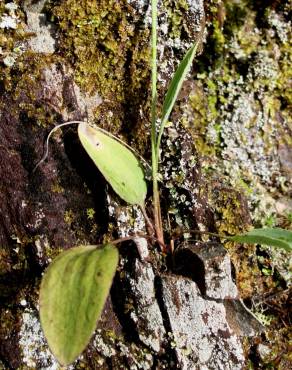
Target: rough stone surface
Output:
[(202, 338), (146, 313), (36, 22), (215, 277), (63, 94), (180, 312)]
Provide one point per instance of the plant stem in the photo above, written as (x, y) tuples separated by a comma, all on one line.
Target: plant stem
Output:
[(148, 222), (133, 237), (156, 200)]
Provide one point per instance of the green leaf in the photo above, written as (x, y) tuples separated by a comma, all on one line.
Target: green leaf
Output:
[(72, 295), (117, 164), (276, 237), (177, 81), (175, 86)]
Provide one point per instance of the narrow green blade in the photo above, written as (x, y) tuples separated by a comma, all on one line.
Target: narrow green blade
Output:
[(277, 237), (72, 295), (177, 81), (117, 164), (175, 86)]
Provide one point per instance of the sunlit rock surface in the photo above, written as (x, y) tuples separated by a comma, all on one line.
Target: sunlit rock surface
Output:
[(226, 163)]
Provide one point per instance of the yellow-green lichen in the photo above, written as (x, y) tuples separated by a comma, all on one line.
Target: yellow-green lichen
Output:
[(203, 111)]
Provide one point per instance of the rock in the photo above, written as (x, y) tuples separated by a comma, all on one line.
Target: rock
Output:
[(285, 157), (196, 327), (263, 351), (241, 320), (202, 338), (146, 313), (214, 277), (185, 315), (61, 91), (283, 205), (42, 41), (35, 352)]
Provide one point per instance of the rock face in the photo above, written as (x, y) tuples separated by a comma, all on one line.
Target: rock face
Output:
[(202, 338), (177, 324), (88, 60)]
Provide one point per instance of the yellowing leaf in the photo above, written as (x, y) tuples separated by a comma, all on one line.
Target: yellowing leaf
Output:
[(276, 237), (72, 295), (117, 164)]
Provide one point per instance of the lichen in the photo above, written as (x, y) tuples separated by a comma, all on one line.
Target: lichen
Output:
[(90, 213), (238, 110), (35, 352), (238, 115), (249, 77)]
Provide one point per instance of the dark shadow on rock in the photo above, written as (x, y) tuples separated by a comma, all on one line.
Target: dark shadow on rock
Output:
[(189, 265), (12, 282), (121, 292), (169, 356), (88, 172)]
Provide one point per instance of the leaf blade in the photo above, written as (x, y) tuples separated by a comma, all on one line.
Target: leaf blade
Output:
[(72, 295), (276, 237), (118, 164), (175, 87)]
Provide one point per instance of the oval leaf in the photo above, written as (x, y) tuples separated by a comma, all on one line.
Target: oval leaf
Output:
[(72, 295), (117, 164), (273, 237)]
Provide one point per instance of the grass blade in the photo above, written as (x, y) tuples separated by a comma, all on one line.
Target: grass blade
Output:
[(174, 89)]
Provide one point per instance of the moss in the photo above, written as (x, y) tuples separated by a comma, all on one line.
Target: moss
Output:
[(107, 53), (21, 76), (280, 340), (95, 37), (90, 213), (22, 80), (175, 12), (204, 111), (57, 188), (10, 39), (69, 217), (230, 210)]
